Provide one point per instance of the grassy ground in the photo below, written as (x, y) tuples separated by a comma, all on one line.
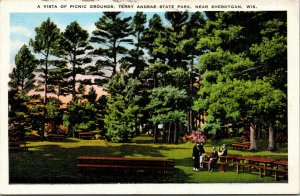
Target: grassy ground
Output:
[(55, 162)]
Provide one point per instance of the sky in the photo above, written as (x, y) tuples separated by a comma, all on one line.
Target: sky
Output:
[(22, 25)]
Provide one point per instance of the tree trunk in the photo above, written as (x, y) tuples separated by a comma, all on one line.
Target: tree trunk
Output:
[(175, 133), (188, 128), (74, 82), (169, 134), (45, 97), (191, 121), (259, 132), (200, 119), (271, 143), (253, 146), (164, 134), (155, 133)]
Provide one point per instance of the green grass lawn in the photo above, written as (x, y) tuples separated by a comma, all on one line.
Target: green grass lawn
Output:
[(55, 162)]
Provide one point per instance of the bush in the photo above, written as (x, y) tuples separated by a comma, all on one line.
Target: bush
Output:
[(197, 136)]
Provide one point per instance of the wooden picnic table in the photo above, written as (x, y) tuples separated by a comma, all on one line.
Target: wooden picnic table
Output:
[(244, 146), (86, 135), (56, 137), (227, 158), (240, 158), (18, 146), (207, 155), (258, 160), (223, 165), (280, 163), (153, 164), (17, 143)]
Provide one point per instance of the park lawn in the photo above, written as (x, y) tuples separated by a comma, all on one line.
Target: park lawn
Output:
[(55, 162)]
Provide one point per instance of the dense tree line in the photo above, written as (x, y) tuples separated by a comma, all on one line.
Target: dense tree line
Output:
[(160, 74)]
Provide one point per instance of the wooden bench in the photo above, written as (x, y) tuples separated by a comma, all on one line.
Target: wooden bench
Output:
[(126, 164), (244, 146), (86, 135)]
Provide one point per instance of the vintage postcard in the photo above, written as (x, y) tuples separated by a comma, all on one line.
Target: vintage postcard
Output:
[(149, 97)]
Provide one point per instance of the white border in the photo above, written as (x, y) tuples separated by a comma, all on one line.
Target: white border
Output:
[(292, 187)]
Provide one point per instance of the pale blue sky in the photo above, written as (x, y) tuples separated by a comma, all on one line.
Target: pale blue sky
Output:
[(22, 25)]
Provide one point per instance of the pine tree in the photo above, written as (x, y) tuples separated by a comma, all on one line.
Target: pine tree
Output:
[(21, 82), (58, 80), (22, 77), (75, 47), (123, 110), (167, 105), (112, 35), (45, 43), (135, 59)]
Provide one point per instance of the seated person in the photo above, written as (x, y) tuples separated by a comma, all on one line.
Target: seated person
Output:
[(224, 150), (213, 160)]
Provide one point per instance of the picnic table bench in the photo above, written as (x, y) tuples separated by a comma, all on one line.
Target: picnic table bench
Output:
[(126, 164), (17, 146), (86, 135), (56, 137)]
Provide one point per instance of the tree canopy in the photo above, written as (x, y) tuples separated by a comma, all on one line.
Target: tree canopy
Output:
[(166, 75)]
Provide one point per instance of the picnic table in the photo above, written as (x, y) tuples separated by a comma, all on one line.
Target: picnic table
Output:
[(243, 145), (223, 165), (86, 135), (18, 146), (239, 159), (259, 160), (126, 164), (56, 137), (262, 164), (283, 164), (283, 170), (227, 158), (254, 162)]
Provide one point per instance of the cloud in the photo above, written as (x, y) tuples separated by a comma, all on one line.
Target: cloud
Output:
[(16, 45), (90, 28), (62, 27), (21, 30)]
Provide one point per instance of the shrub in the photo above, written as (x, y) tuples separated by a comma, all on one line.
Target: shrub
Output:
[(197, 136)]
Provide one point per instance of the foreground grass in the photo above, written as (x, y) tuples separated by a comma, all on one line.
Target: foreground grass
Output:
[(55, 162)]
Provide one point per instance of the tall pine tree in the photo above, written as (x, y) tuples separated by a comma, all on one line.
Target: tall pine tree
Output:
[(46, 44)]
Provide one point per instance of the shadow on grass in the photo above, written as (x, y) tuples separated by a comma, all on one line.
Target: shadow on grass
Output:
[(56, 164)]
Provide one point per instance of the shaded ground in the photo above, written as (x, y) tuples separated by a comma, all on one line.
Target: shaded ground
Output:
[(55, 162)]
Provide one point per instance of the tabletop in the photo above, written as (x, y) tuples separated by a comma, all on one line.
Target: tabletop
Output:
[(284, 163)]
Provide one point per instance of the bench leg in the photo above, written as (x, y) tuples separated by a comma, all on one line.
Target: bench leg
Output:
[(223, 167), (260, 172), (238, 168)]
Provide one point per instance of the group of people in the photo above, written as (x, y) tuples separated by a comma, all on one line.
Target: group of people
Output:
[(199, 155)]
